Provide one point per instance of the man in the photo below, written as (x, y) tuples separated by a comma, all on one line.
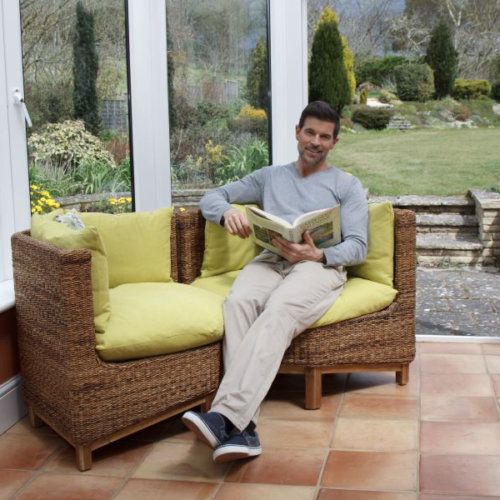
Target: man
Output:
[(276, 298)]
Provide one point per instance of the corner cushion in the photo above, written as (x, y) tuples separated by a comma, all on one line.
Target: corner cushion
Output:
[(379, 263), (46, 228), (150, 319), (137, 244), (225, 252), (359, 297)]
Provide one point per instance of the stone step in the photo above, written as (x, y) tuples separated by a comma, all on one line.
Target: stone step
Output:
[(431, 204), (437, 242), (451, 224), (444, 250)]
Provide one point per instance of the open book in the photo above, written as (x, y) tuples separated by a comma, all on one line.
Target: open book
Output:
[(323, 226)]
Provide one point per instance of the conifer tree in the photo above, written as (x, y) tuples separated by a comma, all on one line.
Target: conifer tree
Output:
[(85, 67), (443, 59), (327, 73), (257, 77)]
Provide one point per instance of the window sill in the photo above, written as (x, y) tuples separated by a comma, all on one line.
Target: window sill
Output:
[(7, 297)]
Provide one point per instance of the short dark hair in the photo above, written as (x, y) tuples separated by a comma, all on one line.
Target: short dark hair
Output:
[(322, 111)]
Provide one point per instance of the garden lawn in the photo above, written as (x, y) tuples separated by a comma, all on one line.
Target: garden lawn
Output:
[(421, 162)]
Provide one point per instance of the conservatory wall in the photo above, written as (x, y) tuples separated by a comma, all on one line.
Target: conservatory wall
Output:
[(148, 127)]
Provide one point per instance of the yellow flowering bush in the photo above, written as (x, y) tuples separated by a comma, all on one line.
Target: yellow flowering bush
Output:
[(41, 200), (248, 111), (215, 152), (121, 205), (215, 157)]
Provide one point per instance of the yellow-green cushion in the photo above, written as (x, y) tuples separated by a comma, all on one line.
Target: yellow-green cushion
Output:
[(149, 319), (358, 297), (379, 263), (137, 244), (225, 252), (46, 228)]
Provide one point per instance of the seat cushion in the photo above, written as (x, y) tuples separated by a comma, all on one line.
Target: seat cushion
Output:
[(46, 228), (379, 263), (225, 252), (359, 296), (137, 244), (149, 319)]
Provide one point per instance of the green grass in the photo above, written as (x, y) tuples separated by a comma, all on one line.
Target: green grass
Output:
[(421, 162)]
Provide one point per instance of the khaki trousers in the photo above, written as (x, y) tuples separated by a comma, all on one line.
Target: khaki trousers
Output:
[(270, 303)]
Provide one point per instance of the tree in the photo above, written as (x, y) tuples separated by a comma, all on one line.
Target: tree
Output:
[(327, 73), (443, 59), (364, 23), (476, 31), (85, 68), (257, 77)]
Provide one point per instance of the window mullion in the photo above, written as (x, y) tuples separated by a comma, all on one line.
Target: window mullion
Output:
[(149, 103)]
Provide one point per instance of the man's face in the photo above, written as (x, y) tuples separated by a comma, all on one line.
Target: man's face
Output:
[(315, 140)]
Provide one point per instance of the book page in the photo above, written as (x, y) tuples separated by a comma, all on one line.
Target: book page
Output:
[(324, 227), (266, 215)]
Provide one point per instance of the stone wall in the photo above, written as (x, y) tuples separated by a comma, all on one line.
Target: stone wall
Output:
[(488, 215)]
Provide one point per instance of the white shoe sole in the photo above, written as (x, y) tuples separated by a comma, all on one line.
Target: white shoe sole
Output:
[(230, 452), (202, 431)]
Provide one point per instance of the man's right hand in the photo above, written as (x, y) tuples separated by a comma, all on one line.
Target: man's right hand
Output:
[(236, 223)]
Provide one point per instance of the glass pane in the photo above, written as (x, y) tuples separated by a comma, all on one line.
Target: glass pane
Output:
[(75, 71), (219, 105)]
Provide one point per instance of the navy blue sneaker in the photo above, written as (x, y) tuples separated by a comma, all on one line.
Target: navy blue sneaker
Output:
[(212, 428), (243, 445)]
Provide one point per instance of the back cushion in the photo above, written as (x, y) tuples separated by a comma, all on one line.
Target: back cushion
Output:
[(379, 263), (137, 244), (46, 228), (225, 252)]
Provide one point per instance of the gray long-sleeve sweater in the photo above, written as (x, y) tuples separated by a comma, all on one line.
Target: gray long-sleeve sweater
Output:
[(282, 191)]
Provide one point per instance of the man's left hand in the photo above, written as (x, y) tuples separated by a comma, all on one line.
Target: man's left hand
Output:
[(295, 252)]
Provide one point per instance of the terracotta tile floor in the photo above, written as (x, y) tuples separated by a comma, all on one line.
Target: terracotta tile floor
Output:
[(437, 438)]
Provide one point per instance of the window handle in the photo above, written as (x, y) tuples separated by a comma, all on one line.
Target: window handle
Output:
[(19, 100)]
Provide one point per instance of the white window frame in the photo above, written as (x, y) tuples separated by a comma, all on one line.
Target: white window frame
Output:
[(14, 188), (147, 32), (289, 91)]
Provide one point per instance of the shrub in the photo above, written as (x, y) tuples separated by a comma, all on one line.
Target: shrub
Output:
[(85, 69), (386, 96), (243, 160), (378, 70), (363, 96), (443, 59), (257, 76), (495, 91), (256, 126), (66, 145), (328, 79), (470, 89), (414, 82), (248, 111), (372, 118)]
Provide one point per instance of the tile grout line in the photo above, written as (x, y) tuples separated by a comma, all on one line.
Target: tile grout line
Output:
[(492, 385), (42, 469), (332, 435)]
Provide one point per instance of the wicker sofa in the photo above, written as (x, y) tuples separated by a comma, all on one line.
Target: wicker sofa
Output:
[(381, 341), (88, 401), (91, 402)]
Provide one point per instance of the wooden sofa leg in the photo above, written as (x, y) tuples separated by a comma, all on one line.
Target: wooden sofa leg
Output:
[(403, 376), (205, 407), (313, 388), (83, 457), (35, 420)]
